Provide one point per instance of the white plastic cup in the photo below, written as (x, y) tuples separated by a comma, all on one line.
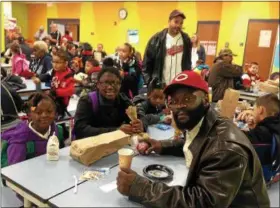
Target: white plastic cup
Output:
[(125, 157)]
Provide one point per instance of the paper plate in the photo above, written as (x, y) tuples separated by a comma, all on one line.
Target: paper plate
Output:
[(158, 172)]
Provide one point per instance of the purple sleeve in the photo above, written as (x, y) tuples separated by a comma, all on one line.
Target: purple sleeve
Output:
[(16, 153)]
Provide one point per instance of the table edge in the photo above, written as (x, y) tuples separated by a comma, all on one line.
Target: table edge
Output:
[(23, 188)]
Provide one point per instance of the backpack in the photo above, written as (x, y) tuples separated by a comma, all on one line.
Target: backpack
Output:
[(30, 148), (11, 103), (93, 96), (270, 171), (25, 64), (14, 82), (94, 101), (94, 104)]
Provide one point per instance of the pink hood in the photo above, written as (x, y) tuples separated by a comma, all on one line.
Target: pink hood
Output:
[(17, 63)]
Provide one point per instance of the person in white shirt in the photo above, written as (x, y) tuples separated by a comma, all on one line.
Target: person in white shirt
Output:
[(40, 34), (168, 52), (198, 51)]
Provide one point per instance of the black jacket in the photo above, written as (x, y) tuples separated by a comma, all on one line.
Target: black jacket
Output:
[(225, 171), (154, 57), (223, 76), (147, 111), (55, 35), (11, 104), (42, 67), (109, 117), (263, 134), (131, 79), (26, 50), (201, 53)]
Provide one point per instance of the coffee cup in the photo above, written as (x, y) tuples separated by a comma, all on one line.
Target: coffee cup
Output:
[(125, 157)]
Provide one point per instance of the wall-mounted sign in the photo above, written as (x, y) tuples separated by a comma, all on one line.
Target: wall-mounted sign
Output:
[(133, 36), (265, 38), (210, 47)]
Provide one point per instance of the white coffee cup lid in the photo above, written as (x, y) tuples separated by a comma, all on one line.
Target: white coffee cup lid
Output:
[(125, 151)]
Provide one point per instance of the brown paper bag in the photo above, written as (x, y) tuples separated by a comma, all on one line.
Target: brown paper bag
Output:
[(230, 101), (131, 112), (268, 87), (91, 149)]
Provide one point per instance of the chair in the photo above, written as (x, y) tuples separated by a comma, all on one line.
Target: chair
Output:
[(271, 171)]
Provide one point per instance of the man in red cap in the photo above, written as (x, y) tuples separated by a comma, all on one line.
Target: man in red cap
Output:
[(224, 168), (168, 52)]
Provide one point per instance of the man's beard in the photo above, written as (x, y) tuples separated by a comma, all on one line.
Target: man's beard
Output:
[(195, 115)]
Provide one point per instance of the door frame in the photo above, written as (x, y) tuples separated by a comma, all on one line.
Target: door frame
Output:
[(258, 20), (208, 22)]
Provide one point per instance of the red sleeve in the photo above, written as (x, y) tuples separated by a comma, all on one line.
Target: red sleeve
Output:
[(68, 90)]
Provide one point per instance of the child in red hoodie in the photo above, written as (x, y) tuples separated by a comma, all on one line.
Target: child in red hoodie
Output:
[(252, 76), (63, 83), (92, 69)]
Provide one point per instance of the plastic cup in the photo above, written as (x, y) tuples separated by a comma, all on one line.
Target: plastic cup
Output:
[(125, 157)]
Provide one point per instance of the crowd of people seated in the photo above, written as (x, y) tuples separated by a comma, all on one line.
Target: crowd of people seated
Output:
[(225, 169)]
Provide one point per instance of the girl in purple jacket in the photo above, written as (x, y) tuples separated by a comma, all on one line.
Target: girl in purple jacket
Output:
[(41, 111)]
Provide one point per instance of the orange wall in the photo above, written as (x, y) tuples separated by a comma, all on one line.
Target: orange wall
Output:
[(37, 14), (151, 17), (99, 17), (234, 23)]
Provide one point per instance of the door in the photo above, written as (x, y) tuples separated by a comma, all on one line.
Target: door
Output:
[(72, 25), (208, 33), (74, 30), (260, 44)]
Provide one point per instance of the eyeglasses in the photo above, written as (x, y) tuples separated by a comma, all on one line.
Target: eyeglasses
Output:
[(112, 83), (187, 101)]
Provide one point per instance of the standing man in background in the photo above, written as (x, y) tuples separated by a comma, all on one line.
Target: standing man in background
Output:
[(101, 50), (168, 52), (224, 74), (40, 34), (55, 35)]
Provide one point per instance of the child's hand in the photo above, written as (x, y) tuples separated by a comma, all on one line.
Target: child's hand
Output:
[(36, 80), (84, 82), (126, 128), (166, 111), (167, 120), (244, 114), (250, 120), (137, 126), (122, 73)]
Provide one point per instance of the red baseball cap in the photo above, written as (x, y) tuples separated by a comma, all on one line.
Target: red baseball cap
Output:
[(189, 79)]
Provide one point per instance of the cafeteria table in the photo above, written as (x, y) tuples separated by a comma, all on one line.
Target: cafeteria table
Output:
[(7, 67), (250, 96), (104, 193), (39, 180), (31, 88)]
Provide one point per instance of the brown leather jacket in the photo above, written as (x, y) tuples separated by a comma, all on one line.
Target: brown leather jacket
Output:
[(225, 172), (222, 77)]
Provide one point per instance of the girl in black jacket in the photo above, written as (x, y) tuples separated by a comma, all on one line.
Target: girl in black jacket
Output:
[(130, 71), (104, 110)]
